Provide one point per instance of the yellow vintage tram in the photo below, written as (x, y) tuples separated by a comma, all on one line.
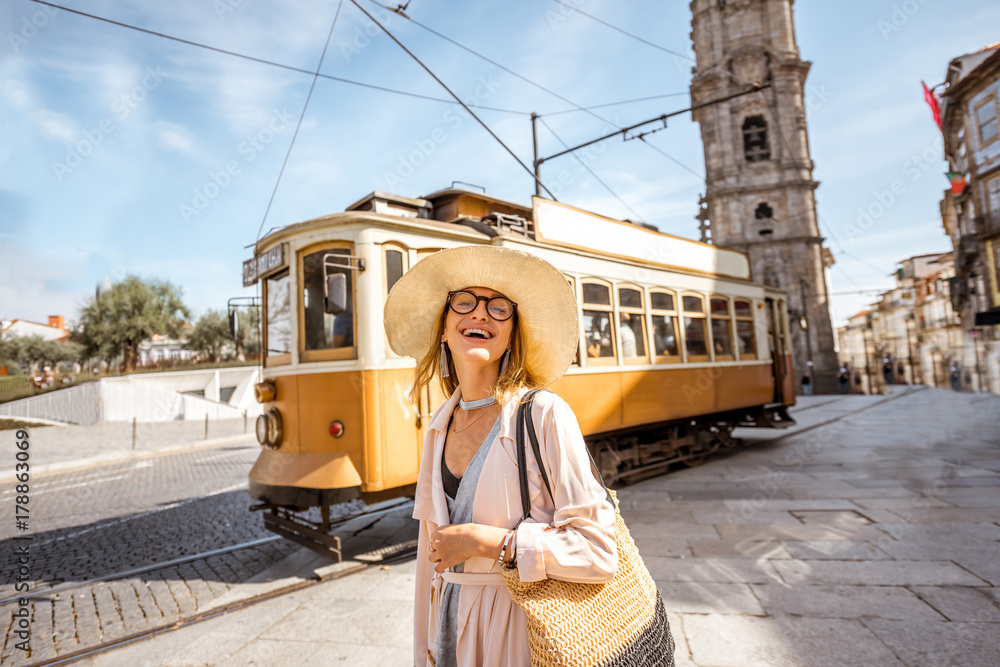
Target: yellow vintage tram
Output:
[(677, 345)]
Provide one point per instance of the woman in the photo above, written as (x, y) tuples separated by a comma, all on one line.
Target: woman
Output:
[(494, 323)]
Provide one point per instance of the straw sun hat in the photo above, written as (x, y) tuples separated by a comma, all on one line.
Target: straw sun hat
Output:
[(546, 305)]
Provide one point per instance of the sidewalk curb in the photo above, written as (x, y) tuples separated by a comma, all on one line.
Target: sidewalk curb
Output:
[(114, 458)]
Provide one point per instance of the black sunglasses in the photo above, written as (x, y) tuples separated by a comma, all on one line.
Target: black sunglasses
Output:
[(499, 308)]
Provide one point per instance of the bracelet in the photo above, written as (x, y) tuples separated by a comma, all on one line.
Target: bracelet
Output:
[(503, 549)]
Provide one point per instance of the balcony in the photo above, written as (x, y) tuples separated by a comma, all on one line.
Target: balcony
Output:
[(987, 224)]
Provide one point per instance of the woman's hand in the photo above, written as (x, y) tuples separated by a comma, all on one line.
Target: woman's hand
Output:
[(457, 543)]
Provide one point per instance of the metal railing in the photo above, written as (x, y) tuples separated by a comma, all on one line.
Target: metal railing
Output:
[(987, 224)]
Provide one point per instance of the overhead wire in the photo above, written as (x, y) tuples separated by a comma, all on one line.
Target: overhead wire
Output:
[(302, 115), (443, 85), (613, 104), (764, 96), (515, 74), (624, 32), (271, 63), (596, 177)]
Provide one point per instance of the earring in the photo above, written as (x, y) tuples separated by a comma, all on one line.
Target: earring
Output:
[(444, 360), (503, 364)]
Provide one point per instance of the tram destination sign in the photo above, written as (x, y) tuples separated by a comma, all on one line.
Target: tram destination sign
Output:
[(262, 265)]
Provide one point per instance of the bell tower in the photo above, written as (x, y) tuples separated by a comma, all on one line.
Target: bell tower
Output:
[(759, 195)]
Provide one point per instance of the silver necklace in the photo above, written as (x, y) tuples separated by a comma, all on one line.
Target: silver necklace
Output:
[(475, 405)]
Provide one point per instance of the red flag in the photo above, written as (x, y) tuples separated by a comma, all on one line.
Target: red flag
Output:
[(934, 104)]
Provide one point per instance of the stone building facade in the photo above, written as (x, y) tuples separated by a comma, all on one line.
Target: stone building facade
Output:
[(759, 194), (970, 211), (911, 335)]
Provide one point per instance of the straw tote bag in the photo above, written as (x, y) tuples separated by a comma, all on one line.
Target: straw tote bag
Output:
[(621, 622)]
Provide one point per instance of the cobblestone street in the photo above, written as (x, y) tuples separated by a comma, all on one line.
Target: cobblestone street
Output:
[(866, 535), (116, 518)]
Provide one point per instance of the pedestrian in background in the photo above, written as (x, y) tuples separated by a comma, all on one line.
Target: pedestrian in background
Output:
[(493, 323), (807, 388), (842, 380), (858, 389), (887, 371), (955, 379)]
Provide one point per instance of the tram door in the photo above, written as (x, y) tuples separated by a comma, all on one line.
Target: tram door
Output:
[(776, 343)]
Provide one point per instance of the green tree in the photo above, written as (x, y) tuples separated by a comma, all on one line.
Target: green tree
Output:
[(130, 312), (210, 335), (36, 352)]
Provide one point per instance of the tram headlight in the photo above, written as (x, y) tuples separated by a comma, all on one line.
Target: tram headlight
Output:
[(336, 428), (265, 391), (268, 429)]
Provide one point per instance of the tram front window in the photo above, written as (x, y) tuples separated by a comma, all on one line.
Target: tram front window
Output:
[(279, 316), (324, 331)]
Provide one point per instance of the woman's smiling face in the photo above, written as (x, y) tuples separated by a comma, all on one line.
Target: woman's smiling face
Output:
[(475, 336)]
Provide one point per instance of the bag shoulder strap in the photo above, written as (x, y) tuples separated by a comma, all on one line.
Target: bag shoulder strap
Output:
[(526, 422)]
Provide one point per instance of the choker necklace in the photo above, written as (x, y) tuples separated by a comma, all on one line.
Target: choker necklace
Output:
[(475, 405)]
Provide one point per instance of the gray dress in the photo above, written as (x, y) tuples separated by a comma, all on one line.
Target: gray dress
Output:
[(460, 511)]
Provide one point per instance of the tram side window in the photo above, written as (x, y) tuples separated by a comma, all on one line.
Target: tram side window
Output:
[(746, 345), (279, 315), (324, 331), (598, 335), (664, 318), (393, 268), (631, 323), (721, 333), (695, 328)]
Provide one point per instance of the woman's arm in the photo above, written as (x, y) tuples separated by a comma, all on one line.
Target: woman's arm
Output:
[(578, 543)]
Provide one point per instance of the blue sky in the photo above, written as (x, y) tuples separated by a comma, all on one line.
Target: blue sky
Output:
[(122, 152)]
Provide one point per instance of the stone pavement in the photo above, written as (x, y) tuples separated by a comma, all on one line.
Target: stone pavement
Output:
[(871, 539)]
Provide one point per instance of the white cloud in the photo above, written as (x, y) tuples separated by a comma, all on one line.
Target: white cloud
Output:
[(174, 137), (55, 125)]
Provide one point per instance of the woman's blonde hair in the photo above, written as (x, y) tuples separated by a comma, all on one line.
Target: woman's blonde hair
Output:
[(513, 378)]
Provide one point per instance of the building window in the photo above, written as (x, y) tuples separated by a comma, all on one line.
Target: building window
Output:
[(695, 328), (755, 139), (664, 322), (993, 195), (996, 266), (722, 338), (986, 120), (632, 324), (746, 346), (597, 330)]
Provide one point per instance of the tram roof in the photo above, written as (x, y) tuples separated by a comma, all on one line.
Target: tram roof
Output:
[(552, 224)]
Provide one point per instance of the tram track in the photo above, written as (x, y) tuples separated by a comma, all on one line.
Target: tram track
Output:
[(393, 555), (387, 555)]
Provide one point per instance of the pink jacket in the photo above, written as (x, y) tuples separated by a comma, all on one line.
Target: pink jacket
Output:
[(570, 537)]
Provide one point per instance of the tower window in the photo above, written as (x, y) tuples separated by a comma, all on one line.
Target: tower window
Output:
[(755, 139), (763, 212)]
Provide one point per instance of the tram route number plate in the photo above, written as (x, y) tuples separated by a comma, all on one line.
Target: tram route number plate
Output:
[(261, 265)]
